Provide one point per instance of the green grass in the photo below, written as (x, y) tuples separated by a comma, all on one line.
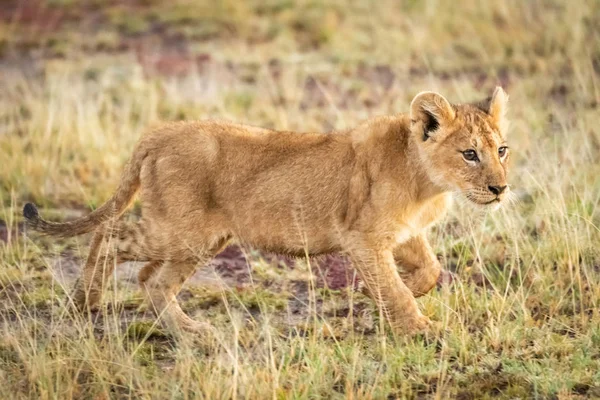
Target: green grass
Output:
[(520, 321)]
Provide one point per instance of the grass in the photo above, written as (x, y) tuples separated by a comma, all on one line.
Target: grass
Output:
[(521, 320)]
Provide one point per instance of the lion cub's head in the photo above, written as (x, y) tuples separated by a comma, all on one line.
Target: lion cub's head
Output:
[(464, 146)]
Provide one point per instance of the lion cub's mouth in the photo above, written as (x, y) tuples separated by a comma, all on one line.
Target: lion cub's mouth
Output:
[(479, 199), (494, 203), (496, 200)]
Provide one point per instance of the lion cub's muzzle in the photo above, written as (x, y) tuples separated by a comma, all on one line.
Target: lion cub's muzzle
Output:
[(491, 196)]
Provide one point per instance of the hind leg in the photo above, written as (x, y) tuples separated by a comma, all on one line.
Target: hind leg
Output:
[(148, 271), (98, 266), (162, 288), (162, 281), (109, 247)]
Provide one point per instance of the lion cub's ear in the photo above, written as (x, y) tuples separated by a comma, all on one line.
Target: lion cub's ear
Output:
[(498, 106), (428, 111)]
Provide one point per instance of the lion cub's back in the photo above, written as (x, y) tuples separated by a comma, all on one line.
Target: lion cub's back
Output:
[(237, 170)]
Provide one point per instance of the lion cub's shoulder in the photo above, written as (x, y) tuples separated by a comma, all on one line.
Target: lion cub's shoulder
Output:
[(381, 128)]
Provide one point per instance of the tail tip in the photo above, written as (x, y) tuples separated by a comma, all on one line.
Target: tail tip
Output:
[(30, 212)]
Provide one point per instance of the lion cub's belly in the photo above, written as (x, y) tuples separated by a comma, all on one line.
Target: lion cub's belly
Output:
[(289, 234)]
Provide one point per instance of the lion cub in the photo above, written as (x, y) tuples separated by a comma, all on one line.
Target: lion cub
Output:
[(369, 192)]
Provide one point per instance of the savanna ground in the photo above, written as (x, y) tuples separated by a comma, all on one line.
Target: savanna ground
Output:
[(79, 81)]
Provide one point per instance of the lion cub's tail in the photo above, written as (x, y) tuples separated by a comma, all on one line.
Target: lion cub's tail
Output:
[(113, 208)]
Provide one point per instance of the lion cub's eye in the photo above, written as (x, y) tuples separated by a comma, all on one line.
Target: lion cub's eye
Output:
[(502, 151), (470, 155)]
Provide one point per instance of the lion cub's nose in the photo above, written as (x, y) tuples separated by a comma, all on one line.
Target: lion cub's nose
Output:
[(497, 189)]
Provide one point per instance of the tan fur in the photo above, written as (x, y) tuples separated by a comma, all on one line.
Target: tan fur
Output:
[(369, 192)]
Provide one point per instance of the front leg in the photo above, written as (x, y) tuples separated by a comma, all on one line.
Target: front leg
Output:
[(418, 265), (395, 300)]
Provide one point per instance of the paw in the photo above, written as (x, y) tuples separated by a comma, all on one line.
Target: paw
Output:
[(78, 297), (82, 300), (446, 279), (422, 324), (416, 325), (178, 322), (425, 329), (195, 327)]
